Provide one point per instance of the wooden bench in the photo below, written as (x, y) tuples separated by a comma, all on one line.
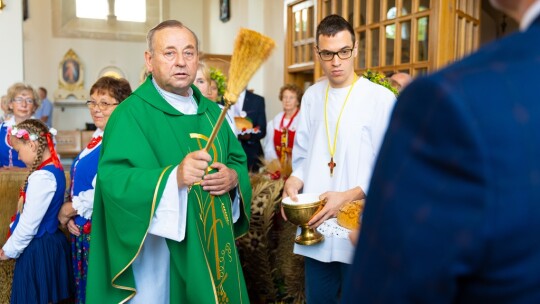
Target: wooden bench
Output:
[(69, 143)]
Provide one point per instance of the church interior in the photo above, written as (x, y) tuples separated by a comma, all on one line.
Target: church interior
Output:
[(41, 39)]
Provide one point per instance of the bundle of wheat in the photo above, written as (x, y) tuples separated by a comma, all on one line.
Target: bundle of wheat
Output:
[(251, 49), (6, 278)]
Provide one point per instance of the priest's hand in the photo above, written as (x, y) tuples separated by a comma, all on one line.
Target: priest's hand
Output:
[(220, 182), (291, 188), (334, 201), (192, 168)]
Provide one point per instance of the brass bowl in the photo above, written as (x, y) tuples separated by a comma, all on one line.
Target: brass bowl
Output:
[(299, 213)]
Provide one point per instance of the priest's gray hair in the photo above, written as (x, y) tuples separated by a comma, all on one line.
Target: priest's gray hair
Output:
[(163, 25)]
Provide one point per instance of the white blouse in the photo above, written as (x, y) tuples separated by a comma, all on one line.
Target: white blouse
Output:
[(39, 194)]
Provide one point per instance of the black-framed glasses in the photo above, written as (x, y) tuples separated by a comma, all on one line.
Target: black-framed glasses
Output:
[(21, 100), (342, 54), (101, 105)]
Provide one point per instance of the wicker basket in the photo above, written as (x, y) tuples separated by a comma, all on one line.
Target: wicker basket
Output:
[(6, 277), (10, 182), (273, 273)]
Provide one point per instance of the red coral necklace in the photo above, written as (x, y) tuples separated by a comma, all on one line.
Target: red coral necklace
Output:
[(94, 142)]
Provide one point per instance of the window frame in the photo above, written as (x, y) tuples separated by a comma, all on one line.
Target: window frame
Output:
[(66, 23)]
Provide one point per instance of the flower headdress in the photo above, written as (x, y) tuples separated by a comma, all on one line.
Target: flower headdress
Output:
[(24, 134), (220, 79)]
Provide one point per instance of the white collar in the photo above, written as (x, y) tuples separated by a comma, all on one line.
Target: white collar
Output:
[(530, 15), (184, 104), (98, 132), (10, 122)]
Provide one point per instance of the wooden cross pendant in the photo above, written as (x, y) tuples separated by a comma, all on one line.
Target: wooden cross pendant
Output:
[(332, 165)]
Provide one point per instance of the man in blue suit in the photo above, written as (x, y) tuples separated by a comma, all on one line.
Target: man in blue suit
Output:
[(253, 107), (453, 210)]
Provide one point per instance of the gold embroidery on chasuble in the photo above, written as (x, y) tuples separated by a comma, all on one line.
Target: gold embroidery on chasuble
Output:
[(214, 216)]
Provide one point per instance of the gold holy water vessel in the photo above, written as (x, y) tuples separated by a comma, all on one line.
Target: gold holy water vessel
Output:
[(300, 212)]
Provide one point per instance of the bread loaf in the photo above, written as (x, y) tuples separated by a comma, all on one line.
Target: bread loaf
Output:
[(349, 214), (242, 123)]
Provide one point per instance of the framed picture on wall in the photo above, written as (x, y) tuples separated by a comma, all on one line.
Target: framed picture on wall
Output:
[(224, 10), (70, 77), (70, 71)]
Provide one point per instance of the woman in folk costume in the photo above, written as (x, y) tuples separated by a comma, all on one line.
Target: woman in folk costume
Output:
[(42, 273), (105, 95), (279, 140), (22, 103)]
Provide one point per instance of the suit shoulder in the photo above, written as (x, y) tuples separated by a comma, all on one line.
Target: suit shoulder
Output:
[(495, 59), (252, 95)]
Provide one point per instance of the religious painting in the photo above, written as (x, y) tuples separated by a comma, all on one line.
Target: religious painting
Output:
[(70, 77), (224, 10), (70, 71)]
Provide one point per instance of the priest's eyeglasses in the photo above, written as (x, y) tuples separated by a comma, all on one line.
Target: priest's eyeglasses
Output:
[(101, 105), (21, 100), (342, 54)]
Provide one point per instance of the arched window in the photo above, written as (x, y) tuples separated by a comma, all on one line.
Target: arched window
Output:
[(127, 20), (121, 10)]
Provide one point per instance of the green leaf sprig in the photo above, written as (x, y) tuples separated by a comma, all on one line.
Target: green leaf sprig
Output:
[(220, 79), (379, 78)]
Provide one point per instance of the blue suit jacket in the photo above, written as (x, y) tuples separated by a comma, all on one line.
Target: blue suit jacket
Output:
[(255, 110), (453, 210)]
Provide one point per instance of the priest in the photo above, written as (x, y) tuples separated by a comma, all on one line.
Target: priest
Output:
[(167, 212)]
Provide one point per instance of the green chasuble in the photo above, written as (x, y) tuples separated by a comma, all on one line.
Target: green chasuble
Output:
[(144, 140)]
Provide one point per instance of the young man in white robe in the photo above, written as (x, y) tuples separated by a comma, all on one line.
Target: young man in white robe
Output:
[(341, 125)]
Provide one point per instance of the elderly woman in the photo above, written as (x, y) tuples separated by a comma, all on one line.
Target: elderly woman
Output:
[(105, 95), (278, 143), (23, 101)]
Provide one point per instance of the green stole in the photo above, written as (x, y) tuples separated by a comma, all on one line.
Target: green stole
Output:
[(144, 140)]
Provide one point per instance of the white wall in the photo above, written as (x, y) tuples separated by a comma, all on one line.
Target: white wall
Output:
[(274, 26), (263, 16), (43, 52), (11, 50)]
